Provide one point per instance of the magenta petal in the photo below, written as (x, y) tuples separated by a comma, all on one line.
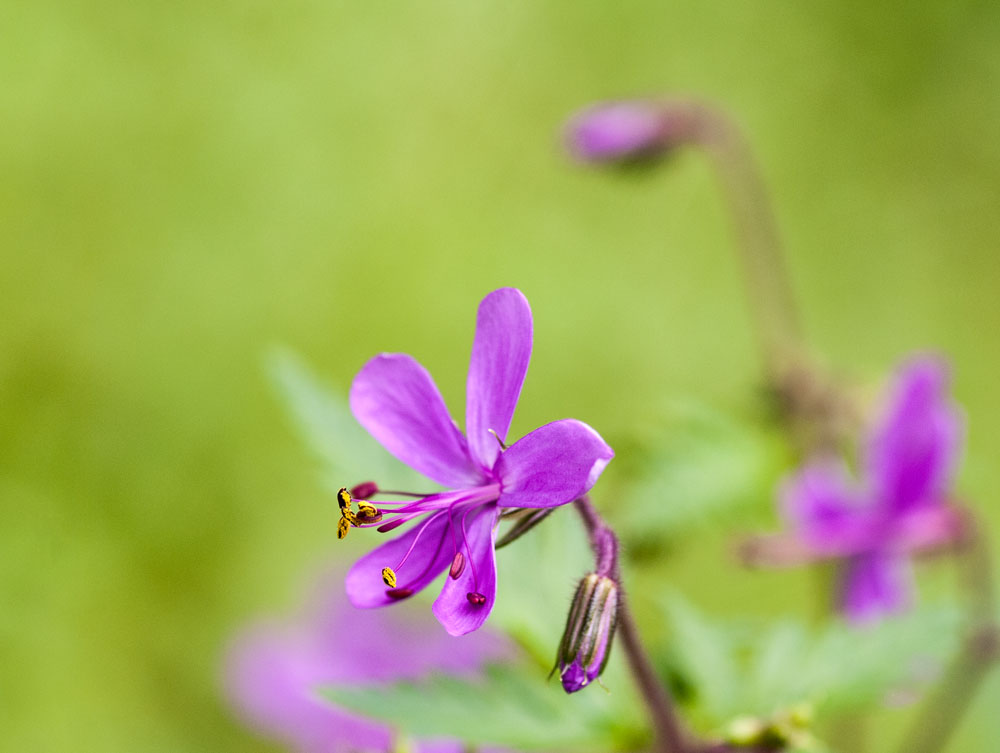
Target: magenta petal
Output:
[(431, 554), (453, 608), (500, 355), (912, 454), (819, 504), (552, 465), (875, 584), (396, 400)]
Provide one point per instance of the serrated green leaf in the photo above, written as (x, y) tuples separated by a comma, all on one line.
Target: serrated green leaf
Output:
[(511, 705)]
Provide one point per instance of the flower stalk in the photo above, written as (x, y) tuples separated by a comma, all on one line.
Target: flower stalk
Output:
[(667, 726)]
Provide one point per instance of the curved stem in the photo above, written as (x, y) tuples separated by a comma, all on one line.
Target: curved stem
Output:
[(814, 408), (670, 734), (768, 288)]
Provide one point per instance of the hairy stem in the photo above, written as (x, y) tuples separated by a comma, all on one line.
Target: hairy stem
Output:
[(670, 734)]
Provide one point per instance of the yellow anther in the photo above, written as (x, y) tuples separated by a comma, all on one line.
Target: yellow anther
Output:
[(349, 516), (368, 514), (343, 526), (344, 499), (367, 509), (389, 577)]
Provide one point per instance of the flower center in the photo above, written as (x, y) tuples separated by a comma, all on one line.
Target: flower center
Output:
[(455, 504)]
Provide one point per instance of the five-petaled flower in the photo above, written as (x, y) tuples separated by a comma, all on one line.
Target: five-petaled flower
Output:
[(396, 400), (901, 505)]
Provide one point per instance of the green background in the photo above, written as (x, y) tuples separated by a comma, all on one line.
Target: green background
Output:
[(184, 185)]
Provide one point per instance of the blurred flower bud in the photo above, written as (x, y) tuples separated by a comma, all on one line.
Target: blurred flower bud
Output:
[(365, 490), (634, 131), (590, 628)]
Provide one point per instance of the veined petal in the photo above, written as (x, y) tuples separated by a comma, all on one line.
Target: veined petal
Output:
[(552, 465), (912, 453), (431, 554), (396, 400), (826, 512), (500, 354), (453, 608), (875, 584)]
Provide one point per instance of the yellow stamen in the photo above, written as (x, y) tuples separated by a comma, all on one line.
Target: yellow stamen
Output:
[(349, 516), (343, 526), (344, 499), (389, 577)]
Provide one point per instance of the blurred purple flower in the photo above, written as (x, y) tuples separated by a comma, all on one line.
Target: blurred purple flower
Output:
[(275, 670), (625, 131), (396, 400), (902, 503)]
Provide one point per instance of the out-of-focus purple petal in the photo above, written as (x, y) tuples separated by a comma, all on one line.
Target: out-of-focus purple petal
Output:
[(617, 131), (929, 528), (431, 553), (453, 608), (912, 453), (396, 400), (553, 465), (875, 584), (272, 676), (823, 509), (500, 355), (274, 670)]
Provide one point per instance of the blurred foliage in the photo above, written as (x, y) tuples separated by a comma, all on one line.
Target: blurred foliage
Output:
[(728, 668), (693, 468), (510, 706), (347, 453), (186, 184)]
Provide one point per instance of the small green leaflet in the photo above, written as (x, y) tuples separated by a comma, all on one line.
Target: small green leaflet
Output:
[(512, 705)]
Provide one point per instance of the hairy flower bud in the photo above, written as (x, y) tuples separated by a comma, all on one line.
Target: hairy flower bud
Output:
[(590, 628)]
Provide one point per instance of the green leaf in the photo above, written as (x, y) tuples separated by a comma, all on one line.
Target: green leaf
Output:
[(511, 706), (738, 668), (346, 451), (691, 467), (705, 657)]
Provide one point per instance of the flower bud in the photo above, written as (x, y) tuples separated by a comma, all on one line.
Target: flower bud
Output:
[(590, 628), (365, 490), (635, 131)]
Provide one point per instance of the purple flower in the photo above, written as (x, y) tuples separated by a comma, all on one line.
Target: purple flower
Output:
[(901, 505), (625, 131), (275, 671), (396, 400)]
